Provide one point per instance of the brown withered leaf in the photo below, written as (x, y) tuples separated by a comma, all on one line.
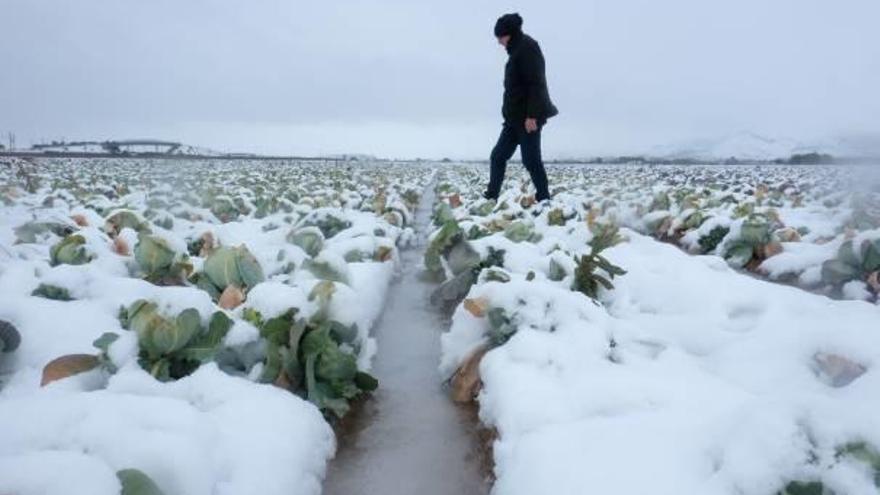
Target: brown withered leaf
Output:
[(231, 298), (80, 220), (466, 383), (121, 247), (69, 365), (477, 306)]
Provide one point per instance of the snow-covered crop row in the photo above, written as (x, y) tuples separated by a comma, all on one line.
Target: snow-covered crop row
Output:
[(814, 227), (193, 325), (609, 362)]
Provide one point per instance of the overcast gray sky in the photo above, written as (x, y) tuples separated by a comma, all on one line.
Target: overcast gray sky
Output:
[(405, 78)]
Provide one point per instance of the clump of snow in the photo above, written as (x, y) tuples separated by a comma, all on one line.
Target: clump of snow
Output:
[(209, 433), (797, 257)]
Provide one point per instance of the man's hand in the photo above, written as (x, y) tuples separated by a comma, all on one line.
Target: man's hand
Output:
[(531, 125)]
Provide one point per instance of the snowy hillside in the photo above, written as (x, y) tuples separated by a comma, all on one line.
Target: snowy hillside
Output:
[(743, 145), (752, 146)]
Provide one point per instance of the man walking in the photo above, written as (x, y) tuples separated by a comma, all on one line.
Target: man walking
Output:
[(526, 107)]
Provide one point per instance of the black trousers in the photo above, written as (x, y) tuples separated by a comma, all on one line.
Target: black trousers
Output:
[(530, 148)]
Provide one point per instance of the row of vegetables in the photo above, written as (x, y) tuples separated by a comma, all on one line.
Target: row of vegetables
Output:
[(748, 216), (479, 241), (272, 245), (814, 227)]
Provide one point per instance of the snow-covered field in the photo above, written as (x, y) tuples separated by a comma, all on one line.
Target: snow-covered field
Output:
[(810, 226), (688, 376), (201, 326), (180, 292)]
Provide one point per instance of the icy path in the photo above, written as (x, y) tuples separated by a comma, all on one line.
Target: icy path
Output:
[(409, 437)]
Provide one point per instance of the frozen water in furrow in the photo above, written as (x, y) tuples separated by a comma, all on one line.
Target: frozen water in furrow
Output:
[(409, 437)]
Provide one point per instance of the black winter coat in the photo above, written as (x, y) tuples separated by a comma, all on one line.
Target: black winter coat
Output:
[(525, 84)]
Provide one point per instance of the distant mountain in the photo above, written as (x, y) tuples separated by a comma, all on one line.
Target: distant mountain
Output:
[(742, 145), (751, 146)]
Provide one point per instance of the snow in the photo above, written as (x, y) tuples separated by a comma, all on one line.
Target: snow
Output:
[(742, 145), (688, 377), (811, 210), (747, 145), (708, 387), (226, 434), (856, 290), (74, 473), (278, 444), (797, 257), (272, 299)]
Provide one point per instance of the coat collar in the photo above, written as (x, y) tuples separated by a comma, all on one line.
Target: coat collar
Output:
[(515, 40)]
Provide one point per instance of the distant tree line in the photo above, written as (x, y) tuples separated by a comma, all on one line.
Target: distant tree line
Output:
[(808, 159)]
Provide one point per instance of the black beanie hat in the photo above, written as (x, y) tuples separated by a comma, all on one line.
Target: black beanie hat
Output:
[(508, 24)]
